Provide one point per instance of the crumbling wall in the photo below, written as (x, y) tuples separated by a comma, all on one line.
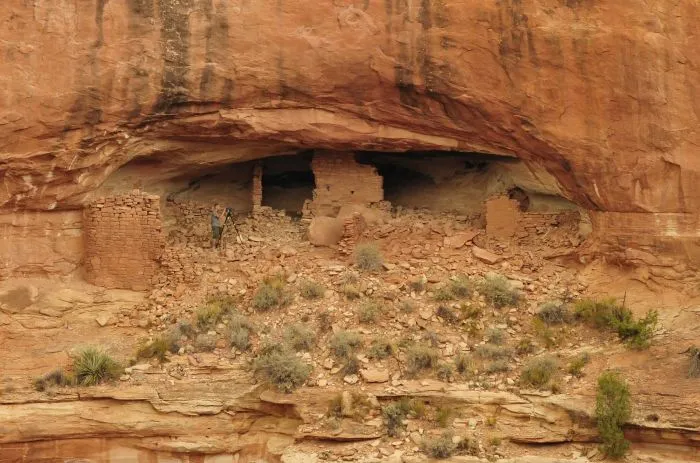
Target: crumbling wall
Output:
[(124, 241), (256, 191), (341, 180)]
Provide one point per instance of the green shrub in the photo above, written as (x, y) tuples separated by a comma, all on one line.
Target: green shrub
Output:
[(498, 366), (271, 294), (205, 342), (638, 334), (613, 409), (283, 369), (380, 348), (464, 364), (495, 336), (460, 287), (468, 446), (185, 328), (224, 301), (369, 312), (554, 313), (492, 352), (607, 313), (56, 378), (420, 357), (157, 348), (440, 448), (694, 366), (445, 372), (240, 329), (208, 316), (417, 408), (407, 306), (345, 343), (447, 315), (368, 257), (499, 292), (93, 366), (539, 372), (394, 414), (299, 337), (312, 290), (575, 367), (351, 366)]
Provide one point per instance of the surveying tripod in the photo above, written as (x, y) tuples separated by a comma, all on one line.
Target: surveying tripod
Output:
[(229, 219)]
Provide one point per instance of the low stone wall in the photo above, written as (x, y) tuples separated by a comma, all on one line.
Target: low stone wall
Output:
[(124, 241)]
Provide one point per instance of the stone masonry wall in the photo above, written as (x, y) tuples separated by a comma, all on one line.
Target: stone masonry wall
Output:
[(124, 241), (341, 180)]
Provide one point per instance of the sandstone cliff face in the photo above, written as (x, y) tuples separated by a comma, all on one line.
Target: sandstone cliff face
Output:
[(600, 93)]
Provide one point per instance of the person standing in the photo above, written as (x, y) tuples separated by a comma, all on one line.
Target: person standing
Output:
[(215, 226)]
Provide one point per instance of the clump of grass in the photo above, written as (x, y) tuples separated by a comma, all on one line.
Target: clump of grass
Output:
[(208, 316), (380, 348), (468, 446), (272, 293), (613, 409), (407, 306), (394, 414), (554, 313), (325, 321), (575, 367), (445, 372), (498, 366), (464, 364), (93, 366), (205, 342), (499, 292), (417, 285), (312, 290), (158, 348), (240, 329), (694, 366), (226, 302), (420, 357), (345, 343), (544, 333), (283, 369), (539, 372), (608, 313), (369, 312), (443, 294), (525, 346), (460, 287), (447, 315), (299, 337), (443, 416), (368, 257), (495, 336), (416, 408), (492, 352), (351, 291), (56, 378), (440, 448), (185, 328)]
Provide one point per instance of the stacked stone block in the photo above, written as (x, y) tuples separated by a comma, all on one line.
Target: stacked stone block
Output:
[(341, 180), (353, 227), (256, 192), (124, 241)]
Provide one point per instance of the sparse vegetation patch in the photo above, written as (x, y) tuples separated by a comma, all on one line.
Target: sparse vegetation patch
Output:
[(368, 258), (283, 369), (93, 366), (499, 292)]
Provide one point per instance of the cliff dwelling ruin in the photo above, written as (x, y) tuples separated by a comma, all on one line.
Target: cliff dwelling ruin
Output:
[(126, 232), (464, 230)]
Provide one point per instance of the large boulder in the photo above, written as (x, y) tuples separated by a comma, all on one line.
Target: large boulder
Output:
[(325, 231)]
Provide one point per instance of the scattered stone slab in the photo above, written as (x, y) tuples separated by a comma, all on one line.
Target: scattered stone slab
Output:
[(486, 256), (375, 375)]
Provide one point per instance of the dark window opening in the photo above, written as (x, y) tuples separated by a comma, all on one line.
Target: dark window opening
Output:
[(287, 183)]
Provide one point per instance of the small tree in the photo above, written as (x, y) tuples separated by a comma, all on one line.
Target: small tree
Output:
[(613, 409)]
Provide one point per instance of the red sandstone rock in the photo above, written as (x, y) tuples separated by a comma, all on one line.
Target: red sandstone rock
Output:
[(608, 107), (486, 256), (325, 231)]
